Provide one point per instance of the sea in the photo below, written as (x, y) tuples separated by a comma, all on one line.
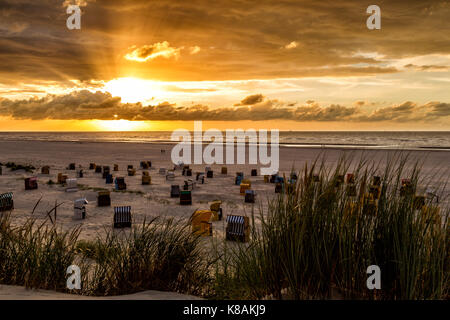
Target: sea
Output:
[(405, 140)]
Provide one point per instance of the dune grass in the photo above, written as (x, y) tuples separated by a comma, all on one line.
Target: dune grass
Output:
[(317, 241)]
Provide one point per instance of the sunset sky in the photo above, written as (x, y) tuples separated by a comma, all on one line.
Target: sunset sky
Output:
[(285, 64)]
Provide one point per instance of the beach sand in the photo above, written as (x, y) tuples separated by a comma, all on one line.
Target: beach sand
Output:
[(149, 201)]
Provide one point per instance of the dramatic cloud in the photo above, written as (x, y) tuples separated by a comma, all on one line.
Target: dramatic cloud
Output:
[(86, 105), (292, 45), (194, 50), (253, 99), (150, 52), (240, 39)]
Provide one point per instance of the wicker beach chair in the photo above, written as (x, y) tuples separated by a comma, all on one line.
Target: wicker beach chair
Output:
[(250, 196), (79, 208), (162, 171), (106, 171), (239, 178), (185, 169), (120, 183), (31, 183), (98, 169), (109, 178), (174, 191), (62, 178), (146, 179), (201, 222), (131, 172), (200, 177), (144, 164), (44, 170), (188, 184), (6, 202), (185, 198), (243, 188), (122, 217), (92, 166), (279, 187), (80, 173), (104, 199), (116, 167), (216, 209), (209, 174), (224, 170), (238, 228), (254, 172), (71, 166)]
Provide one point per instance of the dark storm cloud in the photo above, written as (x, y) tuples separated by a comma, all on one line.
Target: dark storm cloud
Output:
[(240, 39), (87, 105)]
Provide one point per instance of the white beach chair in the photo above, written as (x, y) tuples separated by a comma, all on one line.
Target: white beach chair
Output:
[(170, 175), (79, 208)]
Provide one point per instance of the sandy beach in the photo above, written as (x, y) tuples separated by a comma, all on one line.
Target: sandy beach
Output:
[(148, 201)]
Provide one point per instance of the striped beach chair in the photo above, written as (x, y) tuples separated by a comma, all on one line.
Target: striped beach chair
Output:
[(6, 201), (238, 228), (122, 217)]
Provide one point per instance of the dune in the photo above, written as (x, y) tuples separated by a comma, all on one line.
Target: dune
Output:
[(21, 293)]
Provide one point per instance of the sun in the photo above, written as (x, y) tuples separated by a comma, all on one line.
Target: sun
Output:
[(120, 125), (133, 90)]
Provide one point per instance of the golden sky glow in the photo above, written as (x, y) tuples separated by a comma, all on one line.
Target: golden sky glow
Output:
[(160, 65)]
